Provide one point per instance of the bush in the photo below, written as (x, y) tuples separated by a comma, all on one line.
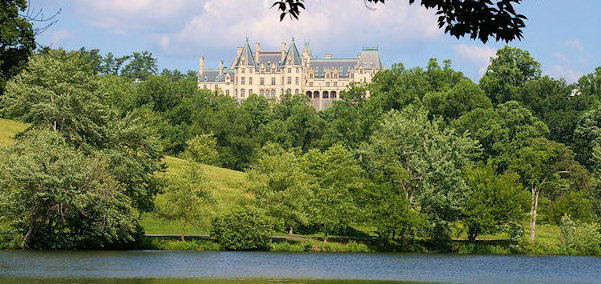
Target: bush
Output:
[(583, 238), (286, 246), (357, 247), (243, 228)]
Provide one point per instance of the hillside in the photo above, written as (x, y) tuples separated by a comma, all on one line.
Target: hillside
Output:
[(228, 184), (8, 130)]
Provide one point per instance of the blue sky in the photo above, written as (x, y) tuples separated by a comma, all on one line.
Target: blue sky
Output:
[(562, 35)]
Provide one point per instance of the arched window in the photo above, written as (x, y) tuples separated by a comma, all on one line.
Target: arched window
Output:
[(316, 95), (309, 94), (288, 91), (242, 93), (227, 92), (333, 94), (250, 92), (261, 92), (325, 95), (273, 93), (296, 91)]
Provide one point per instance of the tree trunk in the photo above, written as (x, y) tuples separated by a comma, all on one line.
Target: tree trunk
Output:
[(183, 233), (535, 193), (290, 231)]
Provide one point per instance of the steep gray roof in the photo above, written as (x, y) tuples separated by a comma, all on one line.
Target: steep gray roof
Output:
[(248, 54), (212, 75), (370, 57), (342, 64), (293, 55), (271, 60)]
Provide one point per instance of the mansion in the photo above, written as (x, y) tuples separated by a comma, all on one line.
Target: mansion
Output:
[(273, 73)]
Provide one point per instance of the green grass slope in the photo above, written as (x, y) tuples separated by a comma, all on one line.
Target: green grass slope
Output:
[(228, 187), (8, 130)]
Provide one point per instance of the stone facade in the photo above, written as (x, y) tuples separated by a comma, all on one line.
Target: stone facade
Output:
[(273, 73)]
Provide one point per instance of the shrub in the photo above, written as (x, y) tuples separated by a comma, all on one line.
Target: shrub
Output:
[(243, 228), (353, 246), (286, 246), (583, 238)]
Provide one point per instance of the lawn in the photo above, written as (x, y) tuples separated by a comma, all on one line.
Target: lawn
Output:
[(8, 130)]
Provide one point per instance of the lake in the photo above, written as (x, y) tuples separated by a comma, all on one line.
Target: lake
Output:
[(260, 267)]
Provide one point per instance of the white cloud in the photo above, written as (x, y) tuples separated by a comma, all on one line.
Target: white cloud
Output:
[(59, 37), (197, 27), (478, 55), (563, 71), (569, 61)]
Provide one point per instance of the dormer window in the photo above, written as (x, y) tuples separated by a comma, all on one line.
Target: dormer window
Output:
[(206, 79), (216, 78)]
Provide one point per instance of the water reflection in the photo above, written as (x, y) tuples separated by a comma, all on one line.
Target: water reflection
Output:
[(259, 267)]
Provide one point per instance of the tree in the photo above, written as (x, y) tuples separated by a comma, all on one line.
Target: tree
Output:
[(202, 149), (59, 93), (243, 228), (542, 164), (495, 202), (424, 161), (140, 66), (509, 70), (188, 199), (57, 198), (587, 136), (17, 40), (338, 179), (480, 19), (281, 187), (461, 98)]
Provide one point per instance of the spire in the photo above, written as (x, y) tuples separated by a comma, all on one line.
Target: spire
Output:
[(292, 55), (246, 57)]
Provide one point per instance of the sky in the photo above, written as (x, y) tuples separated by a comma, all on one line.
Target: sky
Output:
[(564, 36)]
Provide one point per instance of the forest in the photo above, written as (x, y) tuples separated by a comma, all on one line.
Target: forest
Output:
[(411, 159)]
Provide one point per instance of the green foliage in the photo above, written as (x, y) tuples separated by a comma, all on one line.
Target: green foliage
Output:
[(17, 40), (58, 92), (141, 66), (495, 203), (337, 178), (587, 136), (511, 68), (57, 198), (574, 203), (452, 103), (243, 228), (281, 187), (202, 149), (582, 238), (423, 160), (189, 199)]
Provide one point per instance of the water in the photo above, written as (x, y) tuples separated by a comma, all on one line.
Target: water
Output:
[(259, 267)]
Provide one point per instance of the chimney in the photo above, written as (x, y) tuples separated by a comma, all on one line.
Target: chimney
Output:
[(328, 56), (238, 52), (256, 51), (201, 63), (220, 67), (283, 50)]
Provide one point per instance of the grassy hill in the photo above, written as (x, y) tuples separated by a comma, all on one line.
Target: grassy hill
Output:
[(8, 130), (228, 184)]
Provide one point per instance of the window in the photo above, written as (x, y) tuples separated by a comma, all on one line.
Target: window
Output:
[(243, 70), (227, 92), (289, 70), (262, 81), (297, 69), (335, 84), (327, 84), (242, 80), (296, 91), (250, 70), (310, 84), (272, 93), (236, 92), (250, 92), (236, 80), (297, 80), (272, 81), (289, 81), (250, 80), (242, 93), (205, 86), (282, 81)]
